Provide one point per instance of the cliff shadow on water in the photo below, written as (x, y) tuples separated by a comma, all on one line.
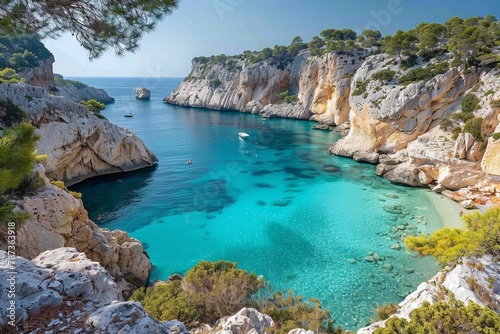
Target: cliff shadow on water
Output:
[(104, 196)]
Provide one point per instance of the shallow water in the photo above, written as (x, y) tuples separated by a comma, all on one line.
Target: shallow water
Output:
[(277, 203)]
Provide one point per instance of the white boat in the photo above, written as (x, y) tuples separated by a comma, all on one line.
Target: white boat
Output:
[(129, 115), (243, 134)]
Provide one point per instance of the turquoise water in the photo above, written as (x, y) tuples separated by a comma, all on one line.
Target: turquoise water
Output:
[(277, 203)]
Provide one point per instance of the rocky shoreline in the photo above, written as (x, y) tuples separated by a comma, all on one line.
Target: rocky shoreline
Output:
[(392, 125)]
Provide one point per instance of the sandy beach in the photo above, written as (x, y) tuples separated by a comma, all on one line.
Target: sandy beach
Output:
[(447, 209)]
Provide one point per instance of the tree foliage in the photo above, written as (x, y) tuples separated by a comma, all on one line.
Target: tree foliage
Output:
[(470, 103), (474, 127), (401, 44), (11, 113), (290, 311), (93, 105), (209, 291), (445, 317), (17, 155), (212, 290), (97, 25), (482, 236), (23, 60), (10, 75)]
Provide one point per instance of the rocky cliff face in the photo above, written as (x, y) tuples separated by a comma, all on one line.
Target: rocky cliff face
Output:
[(401, 125), (77, 94), (78, 144), (320, 84), (42, 75), (79, 292), (394, 125), (57, 219)]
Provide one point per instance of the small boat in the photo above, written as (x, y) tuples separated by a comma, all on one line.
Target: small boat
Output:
[(243, 134), (129, 115)]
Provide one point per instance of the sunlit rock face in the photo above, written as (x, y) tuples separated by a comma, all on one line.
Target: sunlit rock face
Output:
[(78, 144)]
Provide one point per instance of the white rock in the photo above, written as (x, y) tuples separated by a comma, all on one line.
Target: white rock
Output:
[(77, 143), (246, 321), (142, 93)]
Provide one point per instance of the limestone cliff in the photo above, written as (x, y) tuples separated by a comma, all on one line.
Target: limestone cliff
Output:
[(41, 75), (57, 219), (401, 124), (78, 144), (77, 91), (393, 121), (319, 86), (82, 296)]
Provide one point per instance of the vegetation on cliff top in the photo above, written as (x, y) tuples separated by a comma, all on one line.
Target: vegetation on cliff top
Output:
[(471, 42), (445, 317), (212, 290)]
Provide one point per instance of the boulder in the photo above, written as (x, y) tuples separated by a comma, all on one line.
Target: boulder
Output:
[(456, 177), (142, 93), (246, 321), (371, 157)]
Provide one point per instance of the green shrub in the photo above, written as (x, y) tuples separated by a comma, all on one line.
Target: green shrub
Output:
[(410, 61), (99, 115), (360, 88), (58, 184), (214, 83), (211, 290), (489, 92), (3, 62), (470, 103), (93, 105), (7, 216), (384, 75), (61, 82), (446, 245), (29, 184), (290, 311), (445, 123), (415, 75), (23, 60), (208, 292), (13, 114), (496, 135), (440, 68), (10, 75), (495, 103), (445, 317), (462, 116), (17, 155), (385, 311), (455, 132), (473, 126), (75, 194)]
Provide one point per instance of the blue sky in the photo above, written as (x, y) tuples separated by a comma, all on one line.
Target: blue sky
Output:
[(208, 27)]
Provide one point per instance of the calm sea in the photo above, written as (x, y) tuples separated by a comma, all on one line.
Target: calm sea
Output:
[(276, 202)]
